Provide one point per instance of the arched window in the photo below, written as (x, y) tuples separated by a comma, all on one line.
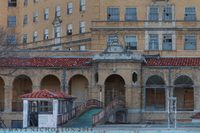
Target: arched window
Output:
[(134, 77), (184, 93), (155, 94)]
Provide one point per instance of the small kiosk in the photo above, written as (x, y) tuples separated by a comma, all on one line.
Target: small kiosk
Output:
[(45, 108)]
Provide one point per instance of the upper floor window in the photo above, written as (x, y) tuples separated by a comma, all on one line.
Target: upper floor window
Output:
[(69, 8), (35, 1), (69, 29), (82, 5), (113, 14), (25, 2), (12, 3), (11, 39), (46, 34), (25, 38), (112, 38), (190, 14), (57, 32), (153, 14), (82, 27), (35, 17), (167, 42), (46, 14), (190, 42), (167, 13), (131, 42), (58, 11), (25, 21), (11, 21), (153, 42), (35, 36), (82, 48), (131, 14)]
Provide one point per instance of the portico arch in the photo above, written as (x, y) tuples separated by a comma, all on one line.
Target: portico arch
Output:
[(78, 87), (50, 82), (184, 92), (22, 84), (114, 88)]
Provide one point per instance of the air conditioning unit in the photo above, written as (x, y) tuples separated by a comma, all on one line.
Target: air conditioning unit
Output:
[(69, 32)]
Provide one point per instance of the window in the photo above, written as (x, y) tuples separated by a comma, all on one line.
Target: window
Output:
[(11, 21), (190, 42), (131, 42), (69, 8), (46, 14), (190, 14), (12, 3), (58, 11), (69, 29), (82, 27), (46, 107), (35, 17), (82, 48), (35, 1), (25, 38), (153, 42), (11, 39), (113, 14), (46, 34), (25, 2), (155, 94), (153, 14), (25, 21), (82, 5), (167, 42), (111, 38), (57, 32), (167, 13), (35, 36), (131, 14)]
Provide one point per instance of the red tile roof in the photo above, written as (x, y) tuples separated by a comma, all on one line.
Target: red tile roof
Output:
[(45, 62), (173, 62), (47, 94)]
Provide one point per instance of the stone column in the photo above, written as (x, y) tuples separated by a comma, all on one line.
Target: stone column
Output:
[(196, 99), (8, 98), (25, 113)]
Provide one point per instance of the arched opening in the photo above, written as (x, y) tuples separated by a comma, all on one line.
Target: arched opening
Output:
[(184, 92), (50, 82), (22, 84), (155, 94), (114, 88), (78, 87), (2, 92)]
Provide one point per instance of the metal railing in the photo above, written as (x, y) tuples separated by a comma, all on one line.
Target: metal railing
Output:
[(78, 110), (107, 111)]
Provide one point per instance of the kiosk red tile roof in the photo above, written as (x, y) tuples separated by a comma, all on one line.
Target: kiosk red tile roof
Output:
[(47, 94)]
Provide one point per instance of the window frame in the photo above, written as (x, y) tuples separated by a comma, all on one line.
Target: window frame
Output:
[(190, 16), (116, 14), (133, 14), (152, 46), (136, 42), (82, 27), (69, 8), (153, 16), (11, 21), (186, 42), (82, 5), (164, 42)]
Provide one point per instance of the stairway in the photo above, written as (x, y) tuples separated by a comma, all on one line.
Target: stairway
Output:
[(84, 120), (2, 124), (110, 110)]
